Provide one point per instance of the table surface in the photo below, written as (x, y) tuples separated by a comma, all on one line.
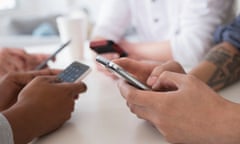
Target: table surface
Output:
[(101, 115)]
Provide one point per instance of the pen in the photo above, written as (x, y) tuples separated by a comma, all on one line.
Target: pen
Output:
[(44, 63)]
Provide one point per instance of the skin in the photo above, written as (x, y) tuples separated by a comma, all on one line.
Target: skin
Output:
[(188, 112), (219, 69), (158, 51), (17, 60), (17, 81), (40, 101), (182, 108)]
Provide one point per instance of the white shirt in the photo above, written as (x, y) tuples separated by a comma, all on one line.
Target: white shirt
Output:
[(6, 135), (187, 24)]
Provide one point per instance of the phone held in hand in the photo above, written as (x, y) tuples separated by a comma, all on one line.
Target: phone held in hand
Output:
[(107, 46), (119, 71), (74, 72), (44, 63)]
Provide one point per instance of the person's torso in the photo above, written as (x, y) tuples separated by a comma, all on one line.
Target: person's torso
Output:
[(156, 19), (159, 20)]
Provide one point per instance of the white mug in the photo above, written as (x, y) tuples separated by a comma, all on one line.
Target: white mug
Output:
[(74, 28)]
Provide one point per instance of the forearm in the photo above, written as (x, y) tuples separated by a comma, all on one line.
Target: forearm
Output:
[(158, 51), (220, 68)]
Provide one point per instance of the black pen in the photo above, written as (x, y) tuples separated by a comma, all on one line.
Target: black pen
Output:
[(44, 64)]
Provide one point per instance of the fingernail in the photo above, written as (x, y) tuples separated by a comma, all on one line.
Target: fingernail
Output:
[(152, 80)]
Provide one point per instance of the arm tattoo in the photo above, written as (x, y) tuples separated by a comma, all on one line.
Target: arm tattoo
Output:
[(228, 67)]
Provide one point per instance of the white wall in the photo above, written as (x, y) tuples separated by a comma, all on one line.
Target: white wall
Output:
[(26, 8), (32, 8)]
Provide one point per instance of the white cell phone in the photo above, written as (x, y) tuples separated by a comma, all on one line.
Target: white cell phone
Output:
[(121, 73), (74, 72)]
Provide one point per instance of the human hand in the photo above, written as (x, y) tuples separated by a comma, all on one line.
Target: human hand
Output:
[(43, 106), (33, 60), (12, 83), (140, 69), (18, 60), (11, 60), (190, 113), (171, 66), (101, 68)]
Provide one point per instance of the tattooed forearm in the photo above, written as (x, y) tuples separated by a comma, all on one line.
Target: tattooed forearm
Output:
[(227, 64)]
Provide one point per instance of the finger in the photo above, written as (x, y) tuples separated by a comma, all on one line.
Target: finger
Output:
[(32, 62), (9, 67), (169, 81), (48, 72), (25, 77), (74, 88), (128, 64), (135, 96), (41, 57), (168, 66), (17, 51), (17, 62)]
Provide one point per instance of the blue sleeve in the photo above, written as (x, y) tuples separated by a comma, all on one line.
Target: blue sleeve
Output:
[(229, 33)]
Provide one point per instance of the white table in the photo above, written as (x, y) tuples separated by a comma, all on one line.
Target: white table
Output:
[(101, 115)]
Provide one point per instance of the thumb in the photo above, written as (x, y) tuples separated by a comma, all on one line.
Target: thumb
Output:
[(74, 88), (25, 77), (169, 81)]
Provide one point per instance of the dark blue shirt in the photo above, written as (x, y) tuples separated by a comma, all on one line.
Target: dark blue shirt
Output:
[(229, 33)]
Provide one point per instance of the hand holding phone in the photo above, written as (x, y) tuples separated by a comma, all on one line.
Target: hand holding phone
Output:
[(121, 73), (44, 63), (107, 46), (74, 73)]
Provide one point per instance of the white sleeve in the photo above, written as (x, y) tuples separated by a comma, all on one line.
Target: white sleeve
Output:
[(198, 22), (113, 20), (6, 135)]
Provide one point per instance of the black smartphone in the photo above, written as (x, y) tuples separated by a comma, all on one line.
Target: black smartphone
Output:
[(107, 46), (74, 72), (44, 63), (121, 73)]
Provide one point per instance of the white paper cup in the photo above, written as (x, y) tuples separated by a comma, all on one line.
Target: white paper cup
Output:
[(74, 28)]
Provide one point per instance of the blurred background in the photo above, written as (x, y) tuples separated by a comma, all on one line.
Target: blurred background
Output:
[(28, 22)]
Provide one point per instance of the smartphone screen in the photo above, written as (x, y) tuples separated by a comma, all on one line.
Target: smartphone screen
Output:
[(74, 72), (121, 73)]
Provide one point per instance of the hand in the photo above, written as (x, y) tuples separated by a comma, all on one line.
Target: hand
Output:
[(101, 68), (11, 60), (140, 69), (192, 113), (43, 106), (17, 60), (12, 83), (33, 60), (171, 66)]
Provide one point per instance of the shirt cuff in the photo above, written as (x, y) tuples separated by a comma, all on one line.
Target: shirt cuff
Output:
[(6, 134)]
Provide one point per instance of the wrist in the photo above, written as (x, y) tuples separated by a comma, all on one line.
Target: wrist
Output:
[(228, 125), (21, 123)]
